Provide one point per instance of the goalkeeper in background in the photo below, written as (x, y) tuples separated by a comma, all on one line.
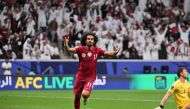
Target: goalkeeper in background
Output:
[(88, 54), (180, 90)]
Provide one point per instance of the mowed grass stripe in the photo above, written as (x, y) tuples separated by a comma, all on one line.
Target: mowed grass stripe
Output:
[(100, 99)]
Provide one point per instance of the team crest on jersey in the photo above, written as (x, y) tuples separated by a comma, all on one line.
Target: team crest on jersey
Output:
[(89, 54), (83, 55)]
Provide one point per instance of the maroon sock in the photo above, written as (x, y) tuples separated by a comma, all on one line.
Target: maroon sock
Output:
[(77, 101)]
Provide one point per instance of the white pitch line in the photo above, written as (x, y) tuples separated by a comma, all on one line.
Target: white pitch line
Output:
[(93, 98)]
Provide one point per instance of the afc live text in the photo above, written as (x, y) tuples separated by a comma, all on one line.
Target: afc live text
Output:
[(44, 82)]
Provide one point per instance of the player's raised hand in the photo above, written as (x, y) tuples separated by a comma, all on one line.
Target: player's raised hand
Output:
[(66, 40), (66, 45), (117, 49)]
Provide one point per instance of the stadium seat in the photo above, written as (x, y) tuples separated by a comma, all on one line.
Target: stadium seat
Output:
[(164, 69), (147, 69)]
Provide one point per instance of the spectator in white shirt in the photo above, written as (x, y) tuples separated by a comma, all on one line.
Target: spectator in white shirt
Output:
[(59, 15), (118, 44), (41, 17), (6, 67), (35, 54), (102, 42), (31, 73), (146, 53), (160, 34), (27, 48), (67, 14), (110, 42), (154, 51), (184, 32), (30, 26), (170, 52), (45, 51), (54, 51)]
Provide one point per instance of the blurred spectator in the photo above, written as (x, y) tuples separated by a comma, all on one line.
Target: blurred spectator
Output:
[(110, 42), (35, 52), (54, 51), (141, 21), (125, 72), (30, 24), (31, 73), (6, 67), (147, 51), (77, 43), (184, 32), (52, 36), (154, 51), (160, 34), (163, 52), (19, 72), (45, 51), (27, 48), (11, 54), (133, 52)]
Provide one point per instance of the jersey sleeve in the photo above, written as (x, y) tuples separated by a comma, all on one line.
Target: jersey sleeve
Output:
[(78, 49), (101, 51), (172, 88)]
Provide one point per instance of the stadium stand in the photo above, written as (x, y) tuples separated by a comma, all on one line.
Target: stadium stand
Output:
[(144, 29)]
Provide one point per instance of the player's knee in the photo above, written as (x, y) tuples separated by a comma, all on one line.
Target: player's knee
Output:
[(85, 94)]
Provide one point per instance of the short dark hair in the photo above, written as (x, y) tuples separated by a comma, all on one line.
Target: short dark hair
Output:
[(180, 70), (83, 39)]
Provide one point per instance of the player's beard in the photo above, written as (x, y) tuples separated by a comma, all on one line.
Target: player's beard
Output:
[(89, 45)]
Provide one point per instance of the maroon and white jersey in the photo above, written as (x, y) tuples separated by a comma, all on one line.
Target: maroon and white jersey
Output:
[(87, 62)]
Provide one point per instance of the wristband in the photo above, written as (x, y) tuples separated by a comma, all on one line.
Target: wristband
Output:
[(161, 106)]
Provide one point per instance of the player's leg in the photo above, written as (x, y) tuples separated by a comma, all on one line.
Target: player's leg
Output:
[(77, 101), (85, 94), (78, 87), (87, 91)]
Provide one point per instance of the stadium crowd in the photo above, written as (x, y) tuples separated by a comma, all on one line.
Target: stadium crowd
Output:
[(143, 29)]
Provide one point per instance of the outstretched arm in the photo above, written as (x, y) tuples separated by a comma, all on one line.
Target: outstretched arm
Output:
[(188, 29), (112, 53), (164, 100), (179, 27), (66, 45)]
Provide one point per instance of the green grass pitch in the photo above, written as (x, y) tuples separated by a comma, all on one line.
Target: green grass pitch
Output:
[(99, 99)]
